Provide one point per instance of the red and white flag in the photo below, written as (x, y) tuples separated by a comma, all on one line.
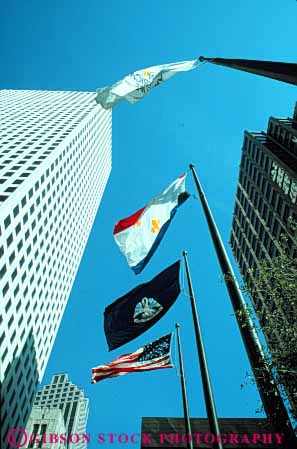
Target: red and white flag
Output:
[(155, 355), (139, 235)]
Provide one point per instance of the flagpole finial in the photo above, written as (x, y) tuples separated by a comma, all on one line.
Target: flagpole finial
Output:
[(185, 253), (177, 325), (191, 166)]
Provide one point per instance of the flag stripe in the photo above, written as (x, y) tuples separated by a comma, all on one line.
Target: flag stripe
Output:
[(125, 223), (121, 366), (97, 377)]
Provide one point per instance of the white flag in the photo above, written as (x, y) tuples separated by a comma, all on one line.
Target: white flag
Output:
[(136, 85)]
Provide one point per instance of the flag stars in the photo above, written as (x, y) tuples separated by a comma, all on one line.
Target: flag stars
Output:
[(158, 348)]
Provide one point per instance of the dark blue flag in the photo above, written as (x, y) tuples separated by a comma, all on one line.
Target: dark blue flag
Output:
[(138, 310)]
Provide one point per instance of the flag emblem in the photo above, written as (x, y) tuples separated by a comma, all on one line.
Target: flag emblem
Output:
[(146, 310), (139, 235), (135, 86), (155, 355), (138, 310), (155, 226)]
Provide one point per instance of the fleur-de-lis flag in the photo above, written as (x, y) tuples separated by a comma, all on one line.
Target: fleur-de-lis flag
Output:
[(139, 235)]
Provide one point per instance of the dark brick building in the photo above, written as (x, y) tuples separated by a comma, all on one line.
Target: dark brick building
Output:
[(266, 198)]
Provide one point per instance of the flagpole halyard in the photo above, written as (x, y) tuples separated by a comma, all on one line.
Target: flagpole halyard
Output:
[(269, 393), (184, 391), (207, 389)]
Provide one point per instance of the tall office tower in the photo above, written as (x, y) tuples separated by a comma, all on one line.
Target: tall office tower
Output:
[(265, 200), (43, 424), (55, 159), (64, 395)]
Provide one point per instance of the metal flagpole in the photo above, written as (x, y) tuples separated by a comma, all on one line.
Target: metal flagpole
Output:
[(184, 391), (207, 390), (281, 71), (271, 398)]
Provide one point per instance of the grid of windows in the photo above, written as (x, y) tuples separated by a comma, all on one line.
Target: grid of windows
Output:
[(265, 200), (263, 203), (54, 116), (55, 159)]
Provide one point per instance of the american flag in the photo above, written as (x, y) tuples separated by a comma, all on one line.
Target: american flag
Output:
[(155, 355)]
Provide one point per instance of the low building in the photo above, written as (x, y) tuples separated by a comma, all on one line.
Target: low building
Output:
[(165, 433)]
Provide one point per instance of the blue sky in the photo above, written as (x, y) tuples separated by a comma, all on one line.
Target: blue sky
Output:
[(197, 117)]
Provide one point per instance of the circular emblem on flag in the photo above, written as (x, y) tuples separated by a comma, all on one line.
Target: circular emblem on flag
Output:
[(146, 309)]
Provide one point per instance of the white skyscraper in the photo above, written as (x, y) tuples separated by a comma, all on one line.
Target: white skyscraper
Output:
[(64, 396), (43, 423), (55, 159)]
